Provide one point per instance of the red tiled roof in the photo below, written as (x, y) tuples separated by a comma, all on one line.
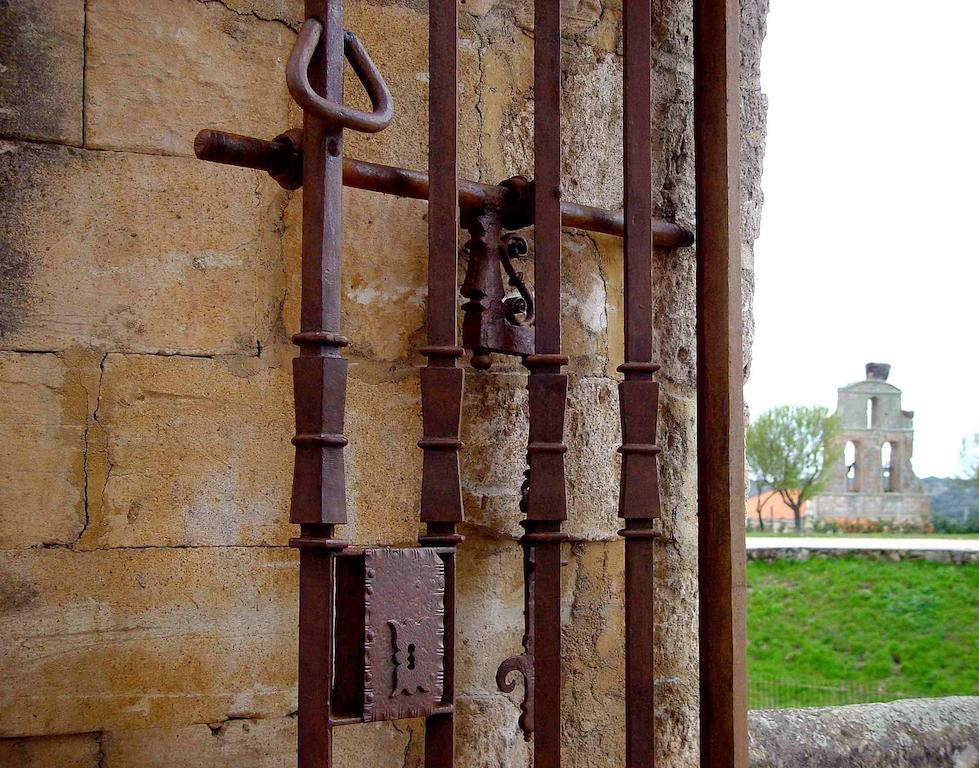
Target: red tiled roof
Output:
[(773, 507)]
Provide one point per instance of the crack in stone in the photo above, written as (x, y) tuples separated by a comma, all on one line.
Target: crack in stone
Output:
[(14, 139), (146, 546), (481, 118), (84, 68), (294, 27), (86, 452), (100, 756)]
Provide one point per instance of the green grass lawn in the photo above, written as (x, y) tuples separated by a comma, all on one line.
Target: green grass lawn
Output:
[(809, 534), (897, 629)]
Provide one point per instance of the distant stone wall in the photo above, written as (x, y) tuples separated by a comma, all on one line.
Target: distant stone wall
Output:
[(807, 553), (855, 507), (147, 596), (917, 733)]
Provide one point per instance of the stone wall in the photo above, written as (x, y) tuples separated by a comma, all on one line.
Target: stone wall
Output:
[(804, 554), (147, 595), (917, 733)]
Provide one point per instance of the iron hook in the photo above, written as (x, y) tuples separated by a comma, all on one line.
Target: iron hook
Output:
[(297, 79)]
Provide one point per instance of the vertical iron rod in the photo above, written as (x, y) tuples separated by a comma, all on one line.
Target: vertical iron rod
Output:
[(319, 381), (639, 499), (547, 174), (315, 734), (547, 387), (638, 179), (720, 405), (443, 207), (441, 380), (320, 373)]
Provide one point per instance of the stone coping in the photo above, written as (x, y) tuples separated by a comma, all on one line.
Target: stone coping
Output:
[(913, 733)]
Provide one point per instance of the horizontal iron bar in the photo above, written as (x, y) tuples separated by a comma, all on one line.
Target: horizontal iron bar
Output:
[(275, 157), (335, 720)]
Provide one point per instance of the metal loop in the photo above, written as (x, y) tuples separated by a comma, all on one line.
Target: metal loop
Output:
[(297, 79)]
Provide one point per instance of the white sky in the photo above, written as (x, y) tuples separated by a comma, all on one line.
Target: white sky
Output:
[(869, 250)]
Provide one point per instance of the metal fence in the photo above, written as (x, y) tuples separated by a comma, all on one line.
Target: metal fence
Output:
[(781, 693)]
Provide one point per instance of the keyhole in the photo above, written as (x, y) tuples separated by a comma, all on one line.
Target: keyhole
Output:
[(411, 655)]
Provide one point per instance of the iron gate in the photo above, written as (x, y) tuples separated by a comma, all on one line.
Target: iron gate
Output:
[(376, 627)]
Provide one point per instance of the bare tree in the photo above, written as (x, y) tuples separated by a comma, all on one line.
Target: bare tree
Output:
[(789, 449), (761, 497)]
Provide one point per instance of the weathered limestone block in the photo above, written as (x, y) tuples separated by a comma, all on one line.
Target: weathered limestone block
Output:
[(489, 612), (585, 306), (287, 11), (506, 135), (198, 453), (134, 253), (244, 743), (74, 751), (493, 457), (916, 733), (42, 53), (592, 134), (43, 430), (594, 687), (753, 118), (487, 735), (593, 695), (384, 462), (158, 71), (241, 742), (134, 638), (592, 465), (579, 18)]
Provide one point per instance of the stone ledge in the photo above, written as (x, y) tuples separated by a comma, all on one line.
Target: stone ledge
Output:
[(914, 733)]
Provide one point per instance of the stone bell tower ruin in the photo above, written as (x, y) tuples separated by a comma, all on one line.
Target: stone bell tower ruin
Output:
[(872, 479)]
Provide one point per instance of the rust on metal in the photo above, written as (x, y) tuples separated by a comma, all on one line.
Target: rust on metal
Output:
[(523, 663), (389, 634), (404, 640), (490, 323), (515, 205), (442, 382), (639, 493), (720, 406), (547, 392), (324, 108)]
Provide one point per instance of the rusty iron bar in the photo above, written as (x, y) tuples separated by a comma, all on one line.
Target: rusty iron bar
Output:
[(442, 381), (276, 156), (639, 497), (547, 388), (319, 382), (720, 377)]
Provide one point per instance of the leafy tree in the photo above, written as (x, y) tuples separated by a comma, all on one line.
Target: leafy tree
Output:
[(789, 450)]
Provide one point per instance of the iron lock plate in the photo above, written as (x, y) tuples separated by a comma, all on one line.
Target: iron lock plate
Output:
[(390, 633)]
